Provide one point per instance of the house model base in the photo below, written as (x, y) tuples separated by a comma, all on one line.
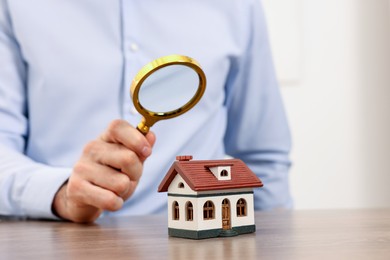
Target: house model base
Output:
[(209, 198), (220, 232)]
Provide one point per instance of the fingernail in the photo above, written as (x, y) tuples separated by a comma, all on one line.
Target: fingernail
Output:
[(119, 203), (146, 151)]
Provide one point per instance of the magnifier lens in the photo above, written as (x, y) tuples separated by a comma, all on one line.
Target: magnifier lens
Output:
[(168, 88)]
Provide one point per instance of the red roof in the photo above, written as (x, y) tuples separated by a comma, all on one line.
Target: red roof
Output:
[(198, 176)]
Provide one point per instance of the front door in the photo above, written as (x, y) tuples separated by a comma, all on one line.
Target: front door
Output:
[(226, 214)]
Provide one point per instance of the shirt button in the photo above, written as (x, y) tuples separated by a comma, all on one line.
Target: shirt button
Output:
[(134, 47)]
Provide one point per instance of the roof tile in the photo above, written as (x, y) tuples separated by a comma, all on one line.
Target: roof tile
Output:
[(198, 176)]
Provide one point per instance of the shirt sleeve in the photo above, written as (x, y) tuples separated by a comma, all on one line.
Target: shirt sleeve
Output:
[(257, 130), (27, 188)]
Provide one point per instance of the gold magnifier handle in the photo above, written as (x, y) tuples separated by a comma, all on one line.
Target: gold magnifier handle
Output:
[(145, 124), (142, 127)]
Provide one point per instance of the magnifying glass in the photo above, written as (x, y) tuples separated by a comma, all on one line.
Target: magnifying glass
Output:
[(165, 88)]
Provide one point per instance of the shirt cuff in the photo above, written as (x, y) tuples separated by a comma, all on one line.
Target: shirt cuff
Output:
[(42, 186)]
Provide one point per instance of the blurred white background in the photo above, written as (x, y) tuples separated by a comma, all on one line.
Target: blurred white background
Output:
[(333, 62)]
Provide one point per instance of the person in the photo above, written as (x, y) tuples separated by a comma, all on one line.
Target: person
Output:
[(68, 146)]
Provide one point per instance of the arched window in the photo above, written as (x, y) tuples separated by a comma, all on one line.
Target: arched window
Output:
[(189, 211), (224, 173), (180, 185), (241, 208), (175, 210), (208, 210)]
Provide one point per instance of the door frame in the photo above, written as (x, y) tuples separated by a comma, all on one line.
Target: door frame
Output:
[(226, 214)]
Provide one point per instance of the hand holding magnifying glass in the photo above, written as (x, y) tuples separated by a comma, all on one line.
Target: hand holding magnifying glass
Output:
[(165, 88)]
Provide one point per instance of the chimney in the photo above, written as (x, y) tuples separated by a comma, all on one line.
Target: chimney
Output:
[(184, 157)]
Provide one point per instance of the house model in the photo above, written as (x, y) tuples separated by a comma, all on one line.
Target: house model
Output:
[(209, 198)]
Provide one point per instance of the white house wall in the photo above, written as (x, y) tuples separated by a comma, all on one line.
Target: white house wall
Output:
[(217, 221), (217, 172), (174, 187), (241, 190), (198, 223), (182, 223)]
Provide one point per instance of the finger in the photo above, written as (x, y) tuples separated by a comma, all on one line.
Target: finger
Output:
[(82, 193), (105, 177), (119, 131), (151, 137), (114, 155)]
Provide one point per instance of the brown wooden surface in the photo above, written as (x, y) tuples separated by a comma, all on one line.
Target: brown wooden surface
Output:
[(325, 234)]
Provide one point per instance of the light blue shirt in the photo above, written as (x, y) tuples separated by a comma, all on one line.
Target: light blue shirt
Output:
[(65, 72)]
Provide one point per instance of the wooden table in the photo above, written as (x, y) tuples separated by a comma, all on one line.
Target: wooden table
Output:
[(325, 234)]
